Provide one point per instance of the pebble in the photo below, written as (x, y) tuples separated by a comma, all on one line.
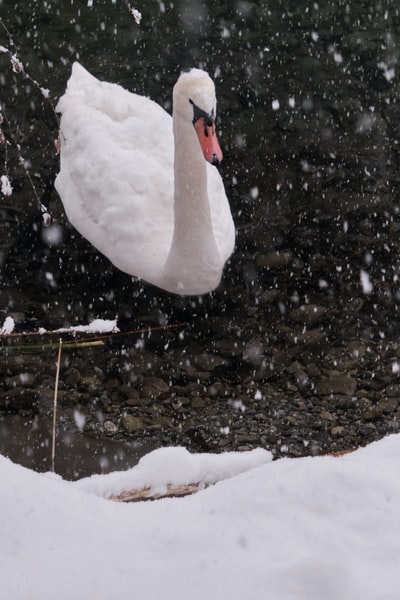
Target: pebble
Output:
[(22, 379), (308, 314), (154, 387), (131, 423), (340, 383), (207, 361), (109, 427), (274, 260)]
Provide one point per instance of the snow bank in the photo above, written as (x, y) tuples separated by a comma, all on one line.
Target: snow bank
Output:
[(294, 529)]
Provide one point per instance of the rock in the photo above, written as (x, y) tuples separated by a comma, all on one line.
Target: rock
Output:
[(154, 387), (337, 430), (133, 399), (131, 423), (308, 314), (199, 402), (393, 390), (327, 416), (340, 383), (207, 361), (311, 337), (72, 377), (19, 397), (109, 427), (247, 438), (22, 380), (274, 260), (269, 296), (388, 406)]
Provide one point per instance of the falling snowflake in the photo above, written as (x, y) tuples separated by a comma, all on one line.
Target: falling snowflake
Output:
[(366, 284)]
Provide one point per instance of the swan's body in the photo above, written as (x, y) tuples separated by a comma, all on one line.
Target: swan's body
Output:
[(135, 183)]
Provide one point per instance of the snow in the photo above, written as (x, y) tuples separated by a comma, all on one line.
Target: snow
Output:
[(292, 529), (8, 326), (175, 466), (95, 326), (6, 187)]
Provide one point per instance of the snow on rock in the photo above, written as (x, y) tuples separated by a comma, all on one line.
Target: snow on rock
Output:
[(175, 466), (8, 326), (6, 187), (293, 529)]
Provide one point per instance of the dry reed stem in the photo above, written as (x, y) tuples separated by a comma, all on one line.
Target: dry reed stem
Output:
[(53, 445)]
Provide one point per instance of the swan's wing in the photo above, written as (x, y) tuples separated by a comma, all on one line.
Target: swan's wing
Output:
[(116, 174)]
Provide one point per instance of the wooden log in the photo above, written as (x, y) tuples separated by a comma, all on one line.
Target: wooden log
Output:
[(148, 494)]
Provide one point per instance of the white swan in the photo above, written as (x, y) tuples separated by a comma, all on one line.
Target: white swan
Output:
[(135, 182)]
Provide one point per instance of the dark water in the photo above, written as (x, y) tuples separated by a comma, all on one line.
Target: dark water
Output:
[(309, 118), (28, 440)]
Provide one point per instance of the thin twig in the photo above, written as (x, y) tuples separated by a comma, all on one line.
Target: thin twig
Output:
[(50, 346), (18, 68), (53, 446), (92, 338), (24, 165)]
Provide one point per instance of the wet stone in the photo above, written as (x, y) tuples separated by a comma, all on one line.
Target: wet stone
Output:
[(336, 384), (19, 397), (199, 402), (384, 406), (154, 387), (22, 379), (131, 423), (337, 430), (72, 377), (274, 260), (109, 427), (327, 416), (308, 314), (208, 362), (393, 390)]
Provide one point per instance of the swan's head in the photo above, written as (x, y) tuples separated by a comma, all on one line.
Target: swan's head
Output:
[(194, 100)]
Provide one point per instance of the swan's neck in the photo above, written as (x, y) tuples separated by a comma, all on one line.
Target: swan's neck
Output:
[(194, 259)]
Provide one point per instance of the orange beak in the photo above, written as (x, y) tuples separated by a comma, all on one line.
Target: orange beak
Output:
[(205, 129)]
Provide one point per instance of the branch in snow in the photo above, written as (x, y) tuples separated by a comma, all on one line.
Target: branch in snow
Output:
[(18, 67), (172, 471), (16, 64), (6, 187)]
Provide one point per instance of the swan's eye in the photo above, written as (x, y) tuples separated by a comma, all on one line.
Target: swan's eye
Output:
[(199, 113)]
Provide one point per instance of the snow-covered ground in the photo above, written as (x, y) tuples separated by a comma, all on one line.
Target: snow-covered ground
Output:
[(293, 529)]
